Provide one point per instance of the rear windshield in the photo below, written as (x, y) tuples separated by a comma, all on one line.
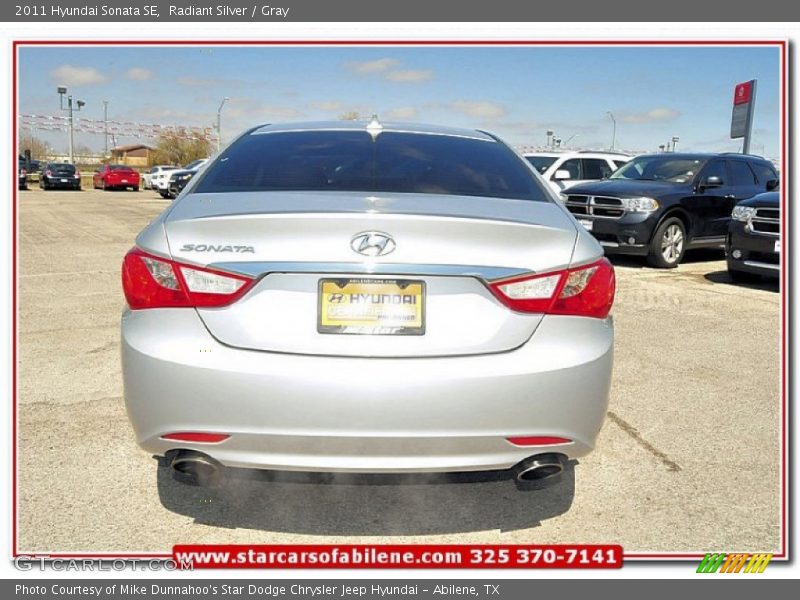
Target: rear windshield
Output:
[(119, 167), (62, 168), (353, 161)]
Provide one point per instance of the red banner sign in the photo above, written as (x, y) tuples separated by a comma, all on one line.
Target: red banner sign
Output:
[(398, 556), (742, 92)]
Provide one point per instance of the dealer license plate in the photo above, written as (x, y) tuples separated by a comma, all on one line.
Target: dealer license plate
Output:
[(371, 306), (63, 181)]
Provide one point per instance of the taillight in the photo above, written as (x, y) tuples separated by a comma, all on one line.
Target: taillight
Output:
[(586, 291), (77, 174), (48, 173), (156, 282), (23, 172)]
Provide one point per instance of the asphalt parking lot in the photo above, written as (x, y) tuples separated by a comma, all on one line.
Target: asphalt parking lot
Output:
[(687, 460)]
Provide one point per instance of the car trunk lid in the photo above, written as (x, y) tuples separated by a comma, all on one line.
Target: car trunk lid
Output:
[(292, 241)]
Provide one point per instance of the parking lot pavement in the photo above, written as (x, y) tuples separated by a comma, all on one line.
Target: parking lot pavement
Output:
[(687, 460)]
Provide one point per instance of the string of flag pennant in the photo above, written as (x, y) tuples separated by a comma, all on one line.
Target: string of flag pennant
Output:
[(116, 128)]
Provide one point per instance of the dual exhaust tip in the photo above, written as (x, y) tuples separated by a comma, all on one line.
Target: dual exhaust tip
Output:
[(196, 468), (533, 472), (539, 470)]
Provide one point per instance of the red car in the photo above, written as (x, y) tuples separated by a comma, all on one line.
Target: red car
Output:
[(111, 177)]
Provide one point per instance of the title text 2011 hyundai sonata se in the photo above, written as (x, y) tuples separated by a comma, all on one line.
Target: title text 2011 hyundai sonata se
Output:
[(367, 297)]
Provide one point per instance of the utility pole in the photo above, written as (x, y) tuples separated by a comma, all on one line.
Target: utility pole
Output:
[(105, 127), (219, 123), (62, 91), (614, 131)]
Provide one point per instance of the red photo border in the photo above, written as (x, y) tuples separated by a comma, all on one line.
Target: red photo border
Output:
[(784, 170)]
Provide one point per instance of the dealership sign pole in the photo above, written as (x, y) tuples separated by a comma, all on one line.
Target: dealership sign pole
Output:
[(744, 100)]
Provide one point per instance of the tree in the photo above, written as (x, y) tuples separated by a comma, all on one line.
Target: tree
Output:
[(351, 115), (179, 147), (37, 147), (82, 151)]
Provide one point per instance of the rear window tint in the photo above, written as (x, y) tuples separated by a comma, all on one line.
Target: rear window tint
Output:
[(352, 161), (62, 168)]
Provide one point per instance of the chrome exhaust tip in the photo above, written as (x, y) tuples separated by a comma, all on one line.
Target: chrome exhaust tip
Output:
[(196, 467), (539, 468)]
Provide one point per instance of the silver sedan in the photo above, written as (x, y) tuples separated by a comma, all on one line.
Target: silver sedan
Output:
[(367, 297)]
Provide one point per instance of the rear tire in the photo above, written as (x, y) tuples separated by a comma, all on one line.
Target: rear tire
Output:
[(668, 245)]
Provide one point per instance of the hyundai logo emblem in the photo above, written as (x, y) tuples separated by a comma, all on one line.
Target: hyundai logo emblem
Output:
[(372, 243)]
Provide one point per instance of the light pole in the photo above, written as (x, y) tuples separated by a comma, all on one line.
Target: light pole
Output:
[(62, 91), (105, 127), (675, 140), (219, 123), (570, 138), (614, 131)]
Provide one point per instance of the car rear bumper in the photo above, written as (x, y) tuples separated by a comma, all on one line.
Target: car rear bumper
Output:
[(72, 183), (322, 413)]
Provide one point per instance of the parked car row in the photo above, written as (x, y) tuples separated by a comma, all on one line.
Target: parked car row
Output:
[(660, 205), (169, 181)]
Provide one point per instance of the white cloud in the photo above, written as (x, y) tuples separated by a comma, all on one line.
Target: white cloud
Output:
[(401, 113), (409, 76), (72, 75), (373, 66), (650, 116), (139, 74), (480, 109)]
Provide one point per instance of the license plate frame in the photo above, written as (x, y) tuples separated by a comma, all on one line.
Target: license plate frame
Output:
[(369, 324)]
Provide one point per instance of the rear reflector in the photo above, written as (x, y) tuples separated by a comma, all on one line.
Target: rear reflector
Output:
[(538, 440), (586, 291), (157, 282), (196, 436)]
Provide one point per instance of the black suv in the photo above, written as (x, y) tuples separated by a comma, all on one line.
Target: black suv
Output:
[(658, 205), (753, 247)]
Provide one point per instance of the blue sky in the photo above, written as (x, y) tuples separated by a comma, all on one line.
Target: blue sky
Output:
[(516, 92)]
